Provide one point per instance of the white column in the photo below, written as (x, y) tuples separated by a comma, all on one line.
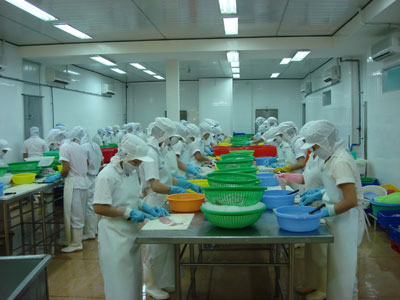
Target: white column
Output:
[(172, 90)]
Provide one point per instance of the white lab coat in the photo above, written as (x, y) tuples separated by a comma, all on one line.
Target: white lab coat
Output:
[(120, 256), (35, 146), (286, 153), (98, 140), (115, 138), (159, 258), (2, 160), (347, 228), (194, 147)]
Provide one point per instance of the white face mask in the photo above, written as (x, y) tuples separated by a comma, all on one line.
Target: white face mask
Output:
[(128, 168), (322, 153), (277, 140)]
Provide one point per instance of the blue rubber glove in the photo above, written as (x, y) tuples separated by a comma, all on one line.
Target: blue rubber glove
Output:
[(155, 211), (209, 152), (138, 216), (325, 212), (176, 190), (178, 176), (311, 191), (247, 144), (188, 185), (269, 161), (310, 198), (276, 165), (52, 178), (192, 170)]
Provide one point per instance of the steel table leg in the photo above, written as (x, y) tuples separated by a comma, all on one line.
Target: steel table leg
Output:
[(6, 233), (291, 272), (21, 221), (33, 224), (43, 211), (192, 271), (277, 270), (177, 272)]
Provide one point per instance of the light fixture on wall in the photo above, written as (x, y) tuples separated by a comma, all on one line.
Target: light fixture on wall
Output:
[(72, 31), (235, 64), (159, 77), (300, 55), (227, 6), (275, 75), (235, 70), (231, 26), (150, 72), (137, 66), (236, 76), (71, 72), (33, 10), (119, 71), (232, 56), (103, 60), (285, 61)]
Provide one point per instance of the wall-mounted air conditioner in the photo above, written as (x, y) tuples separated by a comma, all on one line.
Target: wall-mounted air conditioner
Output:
[(53, 76), (386, 47), (107, 89), (306, 87), (332, 75)]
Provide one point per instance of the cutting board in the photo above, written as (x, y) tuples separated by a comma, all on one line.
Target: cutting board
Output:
[(186, 219)]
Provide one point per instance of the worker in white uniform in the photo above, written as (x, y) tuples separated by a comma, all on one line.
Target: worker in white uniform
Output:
[(344, 214), (296, 158), (61, 126), (34, 146), (95, 160), (156, 181), (115, 135), (195, 146), (205, 140), (74, 169), (98, 138), (116, 199), (107, 136), (4, 148), (258, 122)]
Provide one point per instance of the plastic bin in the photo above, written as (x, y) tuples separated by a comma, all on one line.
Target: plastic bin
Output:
[(2, 185), (267, 179), (3, 171), (390, 188), (239, 162), (369, 181), (264, 150), (23, 167), (377, 206), (277, 198), (387, 218), (261, 160), (108, 153), (232, 179), (250, 170), (297, 219), (394, 233)]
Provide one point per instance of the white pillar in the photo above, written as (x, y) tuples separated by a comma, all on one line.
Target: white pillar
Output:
[(172, 90)]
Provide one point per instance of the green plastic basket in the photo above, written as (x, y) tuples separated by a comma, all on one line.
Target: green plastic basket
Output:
[(232, 220), (232, 163), (36, 171), (52, 153), (234, 156), (244, 152), (237, 195), (232, 179), (3, 171), (109, 146), (23, 166), (250, 170)]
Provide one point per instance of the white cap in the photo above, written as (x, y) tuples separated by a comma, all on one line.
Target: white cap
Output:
[(115, 127), (4, 145), (78, 133), (322, 133), (133, 147), (34, 131), (108, 129), (161, 129), (205, 128), (194, 131), (57, 135), (259, 120)]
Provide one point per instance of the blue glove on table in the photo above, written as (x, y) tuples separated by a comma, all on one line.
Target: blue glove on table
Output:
[(276, 165), (155, 211), (308, 198), (269, 161), (138, 216), (193, 170), (176, 190), (188, 185), (178, 176), (52, 178), (325, 212)]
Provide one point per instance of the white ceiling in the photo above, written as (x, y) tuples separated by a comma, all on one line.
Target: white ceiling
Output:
[(151, 20)]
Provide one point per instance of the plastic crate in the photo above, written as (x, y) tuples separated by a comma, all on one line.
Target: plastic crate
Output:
[(386, 218), (22, 167), (394, 234), (3, 171), (390, 188), (369, 181), (263, 150), (108, 153)]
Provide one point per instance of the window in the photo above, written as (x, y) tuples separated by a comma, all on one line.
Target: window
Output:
[(391, 79), (326, 98)]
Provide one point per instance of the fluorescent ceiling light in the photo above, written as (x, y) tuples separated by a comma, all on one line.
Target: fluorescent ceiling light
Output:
[(235, 64), (231, 26), (159, 77), (75, 32), (236, 75), (137, 66), (274, 75), (232, 56), (227, 6), (235, 70), (300, 55), (71, 72), (103, 60), (285, 61), (150, 72), (119, 71), (33, 10)]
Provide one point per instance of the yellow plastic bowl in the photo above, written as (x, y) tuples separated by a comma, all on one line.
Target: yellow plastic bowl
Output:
[(59, 168), (200, 182), (23, 178)]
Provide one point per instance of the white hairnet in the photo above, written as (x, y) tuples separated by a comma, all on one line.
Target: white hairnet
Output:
[(115, 128), (211, 122), (133, 147), (4, 145), (205, 128), (181, 130), (134, 128), (184, 122), (259, 120), (34, 131), (262, 128), (77, 134), (272, 121), (57, 136), (101, 131), (161, 129), (60, 126), (288, 130), (108, 130), (194, 132)]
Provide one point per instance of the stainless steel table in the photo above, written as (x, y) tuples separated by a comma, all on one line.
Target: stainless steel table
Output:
[(265, 231)]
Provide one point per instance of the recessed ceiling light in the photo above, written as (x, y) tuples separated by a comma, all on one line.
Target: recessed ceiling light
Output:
[(71, 72), (274, 75), (232, 56), (159, 77), (235, 64), (71, 30), (103, 60), (119, 71), (137, 66), (236, 75), (231, 26), (150, 72), (227, 6), (33, 10), (285, 61), (300, 55), (235, 70)]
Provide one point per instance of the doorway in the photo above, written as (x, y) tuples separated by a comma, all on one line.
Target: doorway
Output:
[(32, 114), (265, 113)]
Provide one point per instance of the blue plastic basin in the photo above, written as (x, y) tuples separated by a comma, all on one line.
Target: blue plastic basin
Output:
[(260, 160), (278, 198), (2, 185), (267, 179), (295, 218)]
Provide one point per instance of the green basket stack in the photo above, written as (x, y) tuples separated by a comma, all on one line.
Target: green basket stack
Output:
[(242, 152), (251, 170), (24, 167), (232, 163), (232, 179), (56, 160), (236, 196), (3, 171)]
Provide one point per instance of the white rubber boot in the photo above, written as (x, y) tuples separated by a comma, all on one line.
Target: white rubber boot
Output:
[(76, 244), (90, 228), (151, 288)]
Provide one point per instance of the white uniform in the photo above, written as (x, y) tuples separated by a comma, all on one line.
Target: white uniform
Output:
[(348, 228), (115, 138), (286, 153), (120, 256), (35, 146), (97, 139), (159, 258), (76, 186), (195, 147)]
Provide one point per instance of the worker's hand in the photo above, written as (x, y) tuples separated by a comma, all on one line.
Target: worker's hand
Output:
[(287, 168), (276, 165), (325, 212), (311, 191), (310, 198), (269, 161), (155, 211), (139, 216), (193, 170), (209, 152), (291, 177), (176, 190), (188, 185), (178, 176)]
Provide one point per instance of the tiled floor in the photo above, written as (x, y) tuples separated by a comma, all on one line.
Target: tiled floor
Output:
[(77, 275)]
